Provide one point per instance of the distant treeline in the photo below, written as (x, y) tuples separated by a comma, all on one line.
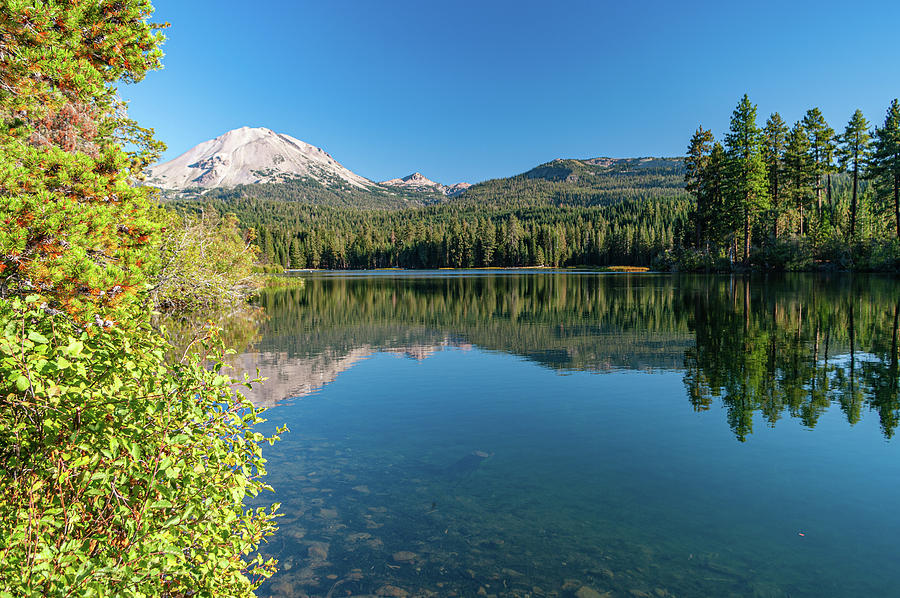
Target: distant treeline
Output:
[(566, 212), (772, 198), (461, 235)]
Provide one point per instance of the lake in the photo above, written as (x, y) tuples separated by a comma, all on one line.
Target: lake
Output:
[(577, 434)]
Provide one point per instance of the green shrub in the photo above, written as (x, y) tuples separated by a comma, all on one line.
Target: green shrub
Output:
[(120, 474), (205, 262), (268, 269), (877, 256), (791, 255)]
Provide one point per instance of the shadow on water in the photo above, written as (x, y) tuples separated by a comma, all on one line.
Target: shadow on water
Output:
[(439, 452)]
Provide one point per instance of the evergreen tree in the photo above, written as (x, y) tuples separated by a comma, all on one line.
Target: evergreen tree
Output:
[(886, 160), (747, 181), (715, 181), (798, 171), (775, 143), (853, 155), (695, 164), (821, 149)]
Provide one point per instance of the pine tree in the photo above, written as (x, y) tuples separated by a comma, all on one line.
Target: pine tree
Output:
[(853, 155), (798, 170), (821, 148), (715, 181), (747, 181), (75, 229), (695, 164), (775, 142), (886, 161)]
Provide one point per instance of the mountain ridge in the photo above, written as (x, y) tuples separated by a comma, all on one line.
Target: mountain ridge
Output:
[(258, 163)]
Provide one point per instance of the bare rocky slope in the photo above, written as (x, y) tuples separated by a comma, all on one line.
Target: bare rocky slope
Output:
[(252, 156)]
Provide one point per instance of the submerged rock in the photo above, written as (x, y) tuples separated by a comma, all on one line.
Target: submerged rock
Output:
[(318, 552), (394, 591), (404, 556), (359, 536), (589, 592), (467, 464)]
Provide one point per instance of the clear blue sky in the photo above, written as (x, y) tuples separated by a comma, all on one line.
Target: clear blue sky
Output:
[(469, 90)]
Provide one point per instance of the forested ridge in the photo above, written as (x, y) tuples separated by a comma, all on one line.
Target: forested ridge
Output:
[(565, 212), (773, 197)]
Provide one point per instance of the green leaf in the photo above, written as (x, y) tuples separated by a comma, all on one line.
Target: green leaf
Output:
[(37, 338)]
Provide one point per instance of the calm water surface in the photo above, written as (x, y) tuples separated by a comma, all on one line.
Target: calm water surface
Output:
[(566, 434)]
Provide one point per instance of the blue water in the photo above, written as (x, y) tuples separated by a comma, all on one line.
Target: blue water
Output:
[(591, 478)]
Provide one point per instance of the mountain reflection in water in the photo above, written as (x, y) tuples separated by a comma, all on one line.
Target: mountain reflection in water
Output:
[(576, 435), (791, 346)]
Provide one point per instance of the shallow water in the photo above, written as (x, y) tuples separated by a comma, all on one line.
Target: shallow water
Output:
[(577, 434)]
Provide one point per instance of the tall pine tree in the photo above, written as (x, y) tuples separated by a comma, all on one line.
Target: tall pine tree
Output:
[(886, 161), (821, 149), (798, 171), (853, 155), (695, 164), (775, 143), (748, 192)]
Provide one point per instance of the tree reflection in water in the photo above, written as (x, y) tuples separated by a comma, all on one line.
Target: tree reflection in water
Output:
[(787, 346)]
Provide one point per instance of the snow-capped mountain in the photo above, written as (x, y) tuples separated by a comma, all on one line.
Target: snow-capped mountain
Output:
[(419, 182), (251, 155)]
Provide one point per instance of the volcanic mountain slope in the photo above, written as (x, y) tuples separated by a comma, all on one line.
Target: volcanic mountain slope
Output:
[(252, 156)]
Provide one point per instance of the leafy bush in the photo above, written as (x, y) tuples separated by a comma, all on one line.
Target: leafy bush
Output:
[(268, 269), (792, 255), (206, 262), (877, 256), (122, 475)]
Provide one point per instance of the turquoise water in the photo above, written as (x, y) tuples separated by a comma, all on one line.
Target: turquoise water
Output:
[(563, 435)]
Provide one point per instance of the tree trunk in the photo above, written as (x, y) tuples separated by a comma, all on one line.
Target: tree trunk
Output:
[(897, 201), (819, 197), (853, 198), (775, 201), (747, 236)]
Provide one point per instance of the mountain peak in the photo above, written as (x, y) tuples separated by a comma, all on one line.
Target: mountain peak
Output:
[(248, 155), (418, 181)]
